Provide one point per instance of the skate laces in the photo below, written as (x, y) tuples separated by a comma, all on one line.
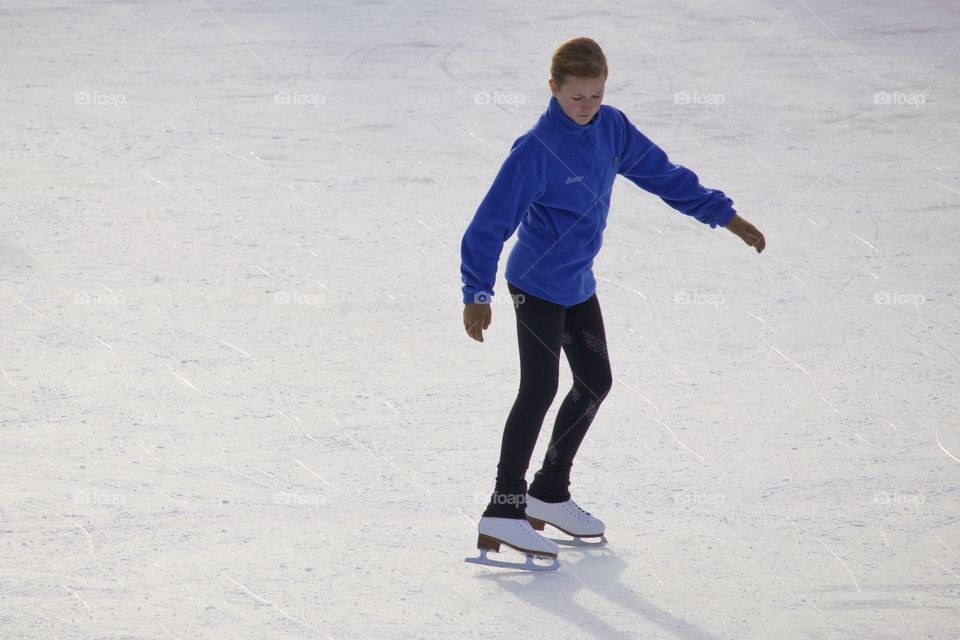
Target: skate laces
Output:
[(525, 526), (579, 511)]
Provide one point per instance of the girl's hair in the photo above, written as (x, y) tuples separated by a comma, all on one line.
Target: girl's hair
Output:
[(580, 57)]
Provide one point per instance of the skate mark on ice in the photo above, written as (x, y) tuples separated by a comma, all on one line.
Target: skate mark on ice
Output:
[(662, 355), (318, 476), (809, 377), (384, 401), (154, 179), (158, 310), (700, 457), (620, 284), (945, 568), (7, 377), (936, 434), (185, 381), (841, 562), (858, 436), (59, 470), (873, 248), (379, 455), (82, 601), (468, 518), (944, 545), (639, 395), (302, 428), (284, 613), (142, 448), (97, 338), (250, 478), (235, 348)]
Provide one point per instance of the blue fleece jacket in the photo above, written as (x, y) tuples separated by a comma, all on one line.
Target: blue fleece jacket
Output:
[(555, 186)]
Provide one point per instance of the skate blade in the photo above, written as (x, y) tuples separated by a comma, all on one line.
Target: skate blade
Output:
[(529, 565), (581, 542)]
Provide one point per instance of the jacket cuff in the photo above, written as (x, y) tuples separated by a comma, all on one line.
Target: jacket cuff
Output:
[(723, 218)]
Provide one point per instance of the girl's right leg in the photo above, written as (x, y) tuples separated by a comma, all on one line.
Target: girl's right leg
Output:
[(539, 337), (585, 343)]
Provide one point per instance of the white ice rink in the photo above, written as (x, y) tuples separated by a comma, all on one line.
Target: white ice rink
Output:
[(238, 401)]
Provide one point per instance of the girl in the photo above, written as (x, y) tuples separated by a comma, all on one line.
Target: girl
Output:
[(555, 186)]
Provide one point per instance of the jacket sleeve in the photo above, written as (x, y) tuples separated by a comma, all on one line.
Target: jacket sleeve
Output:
[(518, 183), (648, 166)]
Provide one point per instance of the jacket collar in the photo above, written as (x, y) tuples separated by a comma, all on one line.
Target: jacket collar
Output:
[(555, 119)]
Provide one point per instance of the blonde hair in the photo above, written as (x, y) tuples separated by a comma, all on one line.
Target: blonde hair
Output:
[(580, 57)]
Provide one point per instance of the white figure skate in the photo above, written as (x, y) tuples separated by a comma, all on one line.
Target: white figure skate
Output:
[(569, 518), (518, 534)]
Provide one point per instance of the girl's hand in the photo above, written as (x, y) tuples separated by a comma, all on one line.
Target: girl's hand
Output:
[(747, 232), (477, 316)]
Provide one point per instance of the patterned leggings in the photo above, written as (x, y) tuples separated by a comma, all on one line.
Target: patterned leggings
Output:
[(542, 329)]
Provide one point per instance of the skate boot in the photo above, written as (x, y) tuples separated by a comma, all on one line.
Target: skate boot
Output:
[(569, 518), (519, 535)]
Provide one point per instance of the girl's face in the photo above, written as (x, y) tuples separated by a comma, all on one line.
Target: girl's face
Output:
[(579, 98)]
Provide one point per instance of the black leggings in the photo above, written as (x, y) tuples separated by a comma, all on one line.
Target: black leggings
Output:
[(542, 329)]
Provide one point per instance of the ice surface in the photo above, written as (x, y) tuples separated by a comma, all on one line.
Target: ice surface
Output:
[(238, 400)]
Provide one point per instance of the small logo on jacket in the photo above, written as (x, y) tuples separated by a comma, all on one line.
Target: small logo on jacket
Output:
[(573, 179)]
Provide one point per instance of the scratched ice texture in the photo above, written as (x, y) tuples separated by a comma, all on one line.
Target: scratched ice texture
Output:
[(238, 400)]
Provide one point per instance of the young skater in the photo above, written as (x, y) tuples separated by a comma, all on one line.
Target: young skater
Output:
[(555, 186)]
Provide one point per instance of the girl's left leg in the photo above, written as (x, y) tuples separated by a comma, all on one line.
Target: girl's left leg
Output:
[(585, 343)]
